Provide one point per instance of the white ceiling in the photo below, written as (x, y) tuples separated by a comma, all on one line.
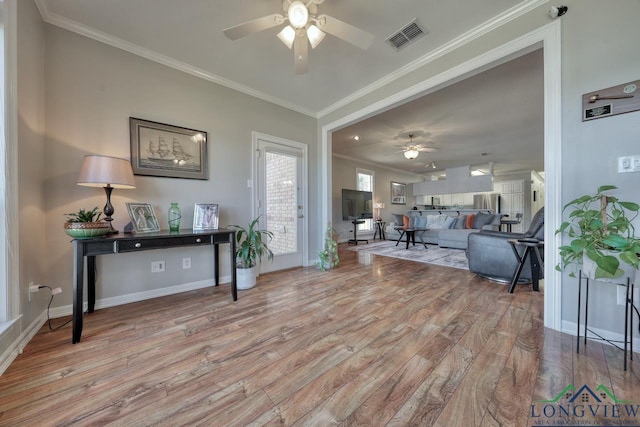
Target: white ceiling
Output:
[(495, 116), (468, 117)]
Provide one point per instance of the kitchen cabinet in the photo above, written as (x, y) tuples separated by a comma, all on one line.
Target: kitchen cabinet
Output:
[(512, 200)]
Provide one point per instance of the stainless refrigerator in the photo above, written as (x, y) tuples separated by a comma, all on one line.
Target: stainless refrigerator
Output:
[(489, 201)]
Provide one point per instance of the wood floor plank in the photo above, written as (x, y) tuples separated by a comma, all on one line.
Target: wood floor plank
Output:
[(377, 341)]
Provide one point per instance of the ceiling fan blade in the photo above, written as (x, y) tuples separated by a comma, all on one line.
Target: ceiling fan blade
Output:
[(301, 53), (260, 24), (344, 31)]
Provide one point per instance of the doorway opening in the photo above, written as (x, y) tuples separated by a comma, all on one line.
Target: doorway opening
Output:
[(547, 38)]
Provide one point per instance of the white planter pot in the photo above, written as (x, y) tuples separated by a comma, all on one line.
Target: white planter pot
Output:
[(246, 277), (624, 270)]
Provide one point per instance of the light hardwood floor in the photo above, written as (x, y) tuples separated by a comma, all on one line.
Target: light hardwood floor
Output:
[(376, 342)]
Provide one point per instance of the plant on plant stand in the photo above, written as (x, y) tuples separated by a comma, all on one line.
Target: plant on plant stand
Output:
[(251, 246), (85, 223), (602, 236), (329, 255)]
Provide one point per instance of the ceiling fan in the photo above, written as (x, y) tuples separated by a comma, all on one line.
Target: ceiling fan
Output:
[(305, 27), (411, 150)]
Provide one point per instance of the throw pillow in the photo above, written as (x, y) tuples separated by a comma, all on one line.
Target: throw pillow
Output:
[(436, 222), (397, 218), (405, 221), (481, 220), (450, 222), (460, 221), (469, 222), (420, 222)]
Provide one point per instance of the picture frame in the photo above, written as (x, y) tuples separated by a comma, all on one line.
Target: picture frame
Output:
[(159, 149), (143, 218), (398, 193), (205, 216)]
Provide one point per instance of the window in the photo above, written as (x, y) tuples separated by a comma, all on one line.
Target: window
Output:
[(364, 182)]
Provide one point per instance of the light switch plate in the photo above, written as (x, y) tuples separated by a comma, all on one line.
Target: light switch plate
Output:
[(628, 164)]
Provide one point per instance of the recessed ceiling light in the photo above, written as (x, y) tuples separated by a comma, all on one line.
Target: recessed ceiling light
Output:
[(356, 138)]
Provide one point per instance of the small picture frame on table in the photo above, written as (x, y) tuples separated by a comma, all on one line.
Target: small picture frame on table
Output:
[(205, 216), (143, 218)]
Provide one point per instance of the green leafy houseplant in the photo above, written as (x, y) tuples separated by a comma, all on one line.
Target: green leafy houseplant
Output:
[(252, 244), (84, 216), (600, 227), (329, 255), (85, 223)]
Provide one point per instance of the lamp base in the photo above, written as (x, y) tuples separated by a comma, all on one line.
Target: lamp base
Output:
[(111, 229)]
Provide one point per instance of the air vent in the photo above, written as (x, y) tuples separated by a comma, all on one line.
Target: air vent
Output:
[(407, 35)]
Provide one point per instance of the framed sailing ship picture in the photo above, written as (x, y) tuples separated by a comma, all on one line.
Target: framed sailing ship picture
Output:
[(158, 149)]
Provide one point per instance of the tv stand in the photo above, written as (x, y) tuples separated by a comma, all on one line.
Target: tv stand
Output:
[(355, 239)]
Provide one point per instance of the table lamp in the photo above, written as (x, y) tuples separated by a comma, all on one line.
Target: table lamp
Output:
[(107, 172), (379, 206)]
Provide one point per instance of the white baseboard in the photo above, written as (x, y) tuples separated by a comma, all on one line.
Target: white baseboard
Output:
[(570, 328), (16, 347), (139, 296)]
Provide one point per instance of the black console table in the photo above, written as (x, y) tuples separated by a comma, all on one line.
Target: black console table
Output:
[(126, 242), (355, 239)]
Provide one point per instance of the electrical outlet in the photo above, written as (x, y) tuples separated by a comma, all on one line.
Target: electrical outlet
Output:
[(32, 288), (622, 294), (157, 266), (186, 263), (56, 291)]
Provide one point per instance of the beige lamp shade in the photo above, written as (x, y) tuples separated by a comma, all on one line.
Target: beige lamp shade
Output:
[(378, 205), (101, 171)]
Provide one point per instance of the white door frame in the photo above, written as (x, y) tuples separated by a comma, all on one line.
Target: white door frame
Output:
[(304, 183), (547, 37)]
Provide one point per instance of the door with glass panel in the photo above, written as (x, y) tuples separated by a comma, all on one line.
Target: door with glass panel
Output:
[(280, 200)]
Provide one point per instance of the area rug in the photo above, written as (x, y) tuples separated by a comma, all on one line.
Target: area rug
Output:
[(433, 254)]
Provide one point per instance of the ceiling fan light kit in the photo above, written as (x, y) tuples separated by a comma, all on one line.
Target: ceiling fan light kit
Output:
[(315, 36), (305, 27), (411, 153), (298, 14)]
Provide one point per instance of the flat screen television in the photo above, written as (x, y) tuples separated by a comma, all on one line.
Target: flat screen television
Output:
[(356, 204)]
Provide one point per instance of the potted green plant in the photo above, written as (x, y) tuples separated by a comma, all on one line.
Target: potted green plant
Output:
[(85, 223), (603, 241), (251, 246), (329, 255)]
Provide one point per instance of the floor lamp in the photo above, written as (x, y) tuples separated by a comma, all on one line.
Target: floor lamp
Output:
[(107, 172)]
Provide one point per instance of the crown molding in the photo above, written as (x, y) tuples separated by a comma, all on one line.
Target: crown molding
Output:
[(469, 36), (54, 19)]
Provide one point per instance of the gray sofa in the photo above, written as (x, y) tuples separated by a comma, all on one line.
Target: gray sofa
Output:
[(447, 232)]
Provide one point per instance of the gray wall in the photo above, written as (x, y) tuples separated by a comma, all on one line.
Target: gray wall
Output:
[(595, 60), (31, 171), (344, 176), (92, 90)]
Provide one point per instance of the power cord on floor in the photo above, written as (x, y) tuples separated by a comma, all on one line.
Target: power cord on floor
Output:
[(49, 307)]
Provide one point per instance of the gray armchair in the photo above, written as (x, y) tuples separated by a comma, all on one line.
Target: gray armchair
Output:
[(490, 254)]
